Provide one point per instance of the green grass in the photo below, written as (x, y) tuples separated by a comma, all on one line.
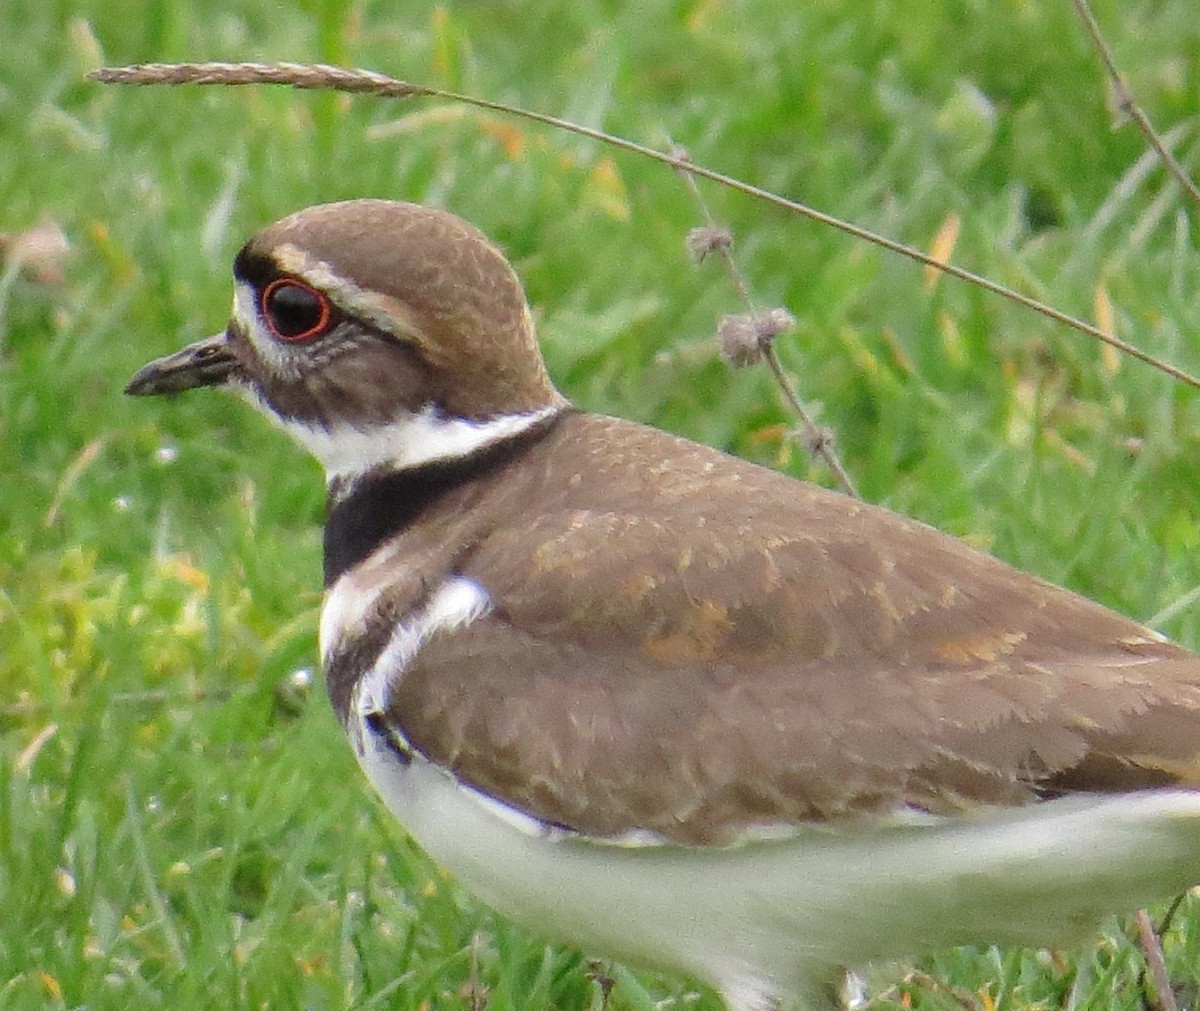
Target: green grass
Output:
[(180, 827)]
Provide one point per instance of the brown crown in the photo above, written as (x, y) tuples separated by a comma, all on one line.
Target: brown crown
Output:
[(434, 282)]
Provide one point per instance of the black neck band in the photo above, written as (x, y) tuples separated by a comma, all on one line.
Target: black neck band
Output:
[(383, 502)]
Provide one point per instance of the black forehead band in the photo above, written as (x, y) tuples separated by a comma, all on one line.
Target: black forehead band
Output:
[(256, 269)]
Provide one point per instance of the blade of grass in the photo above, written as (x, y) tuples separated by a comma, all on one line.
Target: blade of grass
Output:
[(318, 77)]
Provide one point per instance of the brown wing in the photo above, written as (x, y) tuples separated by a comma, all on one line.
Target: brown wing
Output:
[(745, 650)]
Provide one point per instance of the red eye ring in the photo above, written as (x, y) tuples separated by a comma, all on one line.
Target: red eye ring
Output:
[(294, 311)]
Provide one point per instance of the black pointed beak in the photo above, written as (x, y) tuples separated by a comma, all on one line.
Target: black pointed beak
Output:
[(209, 362)]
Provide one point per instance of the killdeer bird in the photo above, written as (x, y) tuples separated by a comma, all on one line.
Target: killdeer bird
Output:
[(664, 704)]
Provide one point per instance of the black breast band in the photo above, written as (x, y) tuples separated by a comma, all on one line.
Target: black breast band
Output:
[(383, 502)]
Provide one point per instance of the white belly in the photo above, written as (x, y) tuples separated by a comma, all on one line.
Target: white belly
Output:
[(772, 916)]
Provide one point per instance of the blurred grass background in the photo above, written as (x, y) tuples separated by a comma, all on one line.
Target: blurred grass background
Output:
[(181, 824)]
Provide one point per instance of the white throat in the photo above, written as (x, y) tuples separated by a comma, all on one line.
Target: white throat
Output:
[(408, 441)]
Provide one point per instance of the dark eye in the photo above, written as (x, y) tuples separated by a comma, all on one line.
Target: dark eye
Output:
[(294, 311)]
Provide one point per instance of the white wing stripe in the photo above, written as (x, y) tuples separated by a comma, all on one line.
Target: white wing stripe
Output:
[(457, 602)]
